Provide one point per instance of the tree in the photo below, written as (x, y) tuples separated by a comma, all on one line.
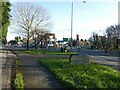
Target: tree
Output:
[(103, 41), (85, 42), (96, 41), (40, 36), (28, 18), (75, 42), (5, 20), (81, 42), (17, 39), (91, 41), (70, 40), (113, 33), (109, 40)]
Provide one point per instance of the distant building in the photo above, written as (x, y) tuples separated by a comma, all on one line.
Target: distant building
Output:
[(46, 40), (51, 40), (24, 40), (84, 43)]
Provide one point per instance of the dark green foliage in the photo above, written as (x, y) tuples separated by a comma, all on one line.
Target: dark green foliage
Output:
[(83, 76), (5, 19)]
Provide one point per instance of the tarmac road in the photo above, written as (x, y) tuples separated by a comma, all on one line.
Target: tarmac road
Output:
[(103, 58)]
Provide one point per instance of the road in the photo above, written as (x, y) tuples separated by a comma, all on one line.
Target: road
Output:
[(96, 56), (103, 58)]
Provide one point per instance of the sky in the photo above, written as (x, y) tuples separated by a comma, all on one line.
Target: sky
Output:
[(92, 16)]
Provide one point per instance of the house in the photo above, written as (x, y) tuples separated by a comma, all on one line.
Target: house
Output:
[(51, 40)]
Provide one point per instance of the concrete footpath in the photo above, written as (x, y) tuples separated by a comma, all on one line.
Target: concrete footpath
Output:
[(6, 62), (35, 75)]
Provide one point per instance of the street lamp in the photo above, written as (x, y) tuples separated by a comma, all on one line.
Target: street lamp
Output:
[(72, 21)]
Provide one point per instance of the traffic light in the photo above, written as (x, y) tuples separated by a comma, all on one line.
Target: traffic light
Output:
[(77, 37)]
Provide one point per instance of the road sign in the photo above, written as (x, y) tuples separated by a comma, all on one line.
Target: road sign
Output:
[(65, 39)]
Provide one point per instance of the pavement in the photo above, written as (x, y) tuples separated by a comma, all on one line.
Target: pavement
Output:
[(35, 75), (6, 62)]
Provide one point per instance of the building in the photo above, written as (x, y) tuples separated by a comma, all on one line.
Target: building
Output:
[(51, 40)]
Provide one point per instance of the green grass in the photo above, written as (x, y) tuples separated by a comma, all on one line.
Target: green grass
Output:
[(19, 82), (36, 52), (18, 63), (82, 76)]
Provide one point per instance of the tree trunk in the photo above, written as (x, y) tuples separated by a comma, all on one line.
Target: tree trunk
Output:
[(35, 43), (27, 44), (28, 40), (36, 46)]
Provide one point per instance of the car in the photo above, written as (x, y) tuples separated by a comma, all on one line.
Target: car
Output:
[(15, 45), (32, 45), (24, 45)]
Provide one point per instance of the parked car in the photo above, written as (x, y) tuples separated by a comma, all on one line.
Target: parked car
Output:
[(15, 45), (32, 45), (24, 45)]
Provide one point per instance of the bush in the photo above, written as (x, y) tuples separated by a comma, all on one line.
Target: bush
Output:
[(19, 82)]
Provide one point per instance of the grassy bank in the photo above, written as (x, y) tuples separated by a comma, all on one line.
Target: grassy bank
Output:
[(36, 52), (82, 76)]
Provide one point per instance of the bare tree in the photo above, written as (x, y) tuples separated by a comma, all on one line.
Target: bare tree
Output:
[(27, 17)]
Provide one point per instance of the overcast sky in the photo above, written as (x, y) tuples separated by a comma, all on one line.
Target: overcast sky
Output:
[(94, 15)]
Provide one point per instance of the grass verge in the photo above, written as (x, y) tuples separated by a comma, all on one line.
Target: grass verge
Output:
[(83, 76), (18, 81), (18, 63), (36, 52)]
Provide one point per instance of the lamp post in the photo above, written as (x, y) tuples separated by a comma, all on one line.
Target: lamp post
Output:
[(72, 22)]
